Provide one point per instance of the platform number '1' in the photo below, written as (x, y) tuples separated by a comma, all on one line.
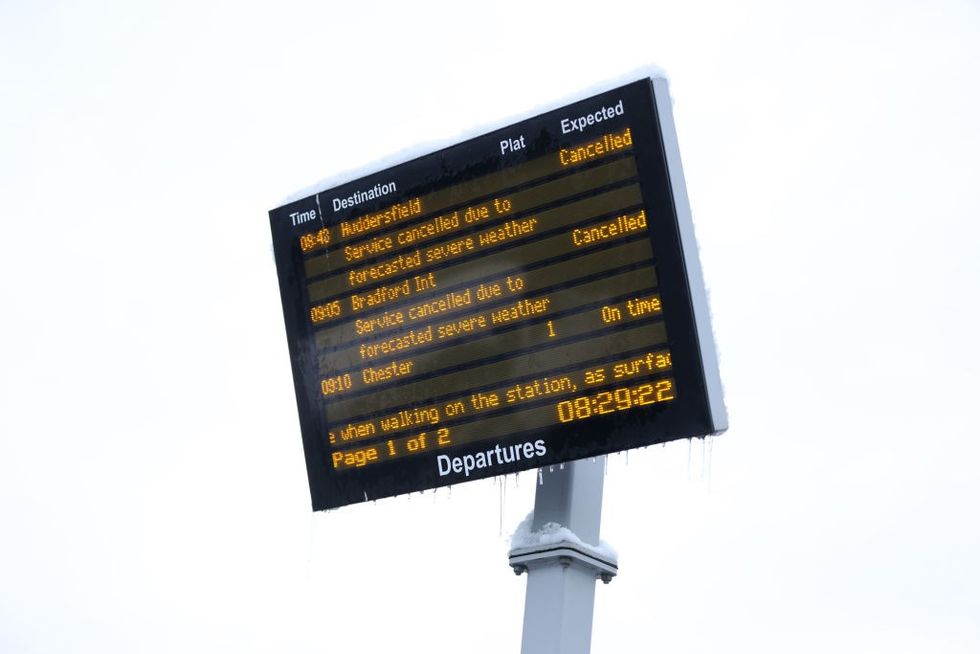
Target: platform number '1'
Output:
[(551, 330)]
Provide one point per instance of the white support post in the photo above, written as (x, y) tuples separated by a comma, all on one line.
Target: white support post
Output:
[(561, 576)]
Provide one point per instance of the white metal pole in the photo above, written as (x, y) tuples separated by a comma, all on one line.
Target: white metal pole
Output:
[(561, 576)]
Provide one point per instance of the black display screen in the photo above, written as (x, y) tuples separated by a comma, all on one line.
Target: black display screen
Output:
[(519, 299)]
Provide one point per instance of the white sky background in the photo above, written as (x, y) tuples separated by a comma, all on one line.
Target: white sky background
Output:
[(153, 494)]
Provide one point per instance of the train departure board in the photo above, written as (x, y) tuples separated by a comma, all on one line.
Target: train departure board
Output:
[(524, 298)]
